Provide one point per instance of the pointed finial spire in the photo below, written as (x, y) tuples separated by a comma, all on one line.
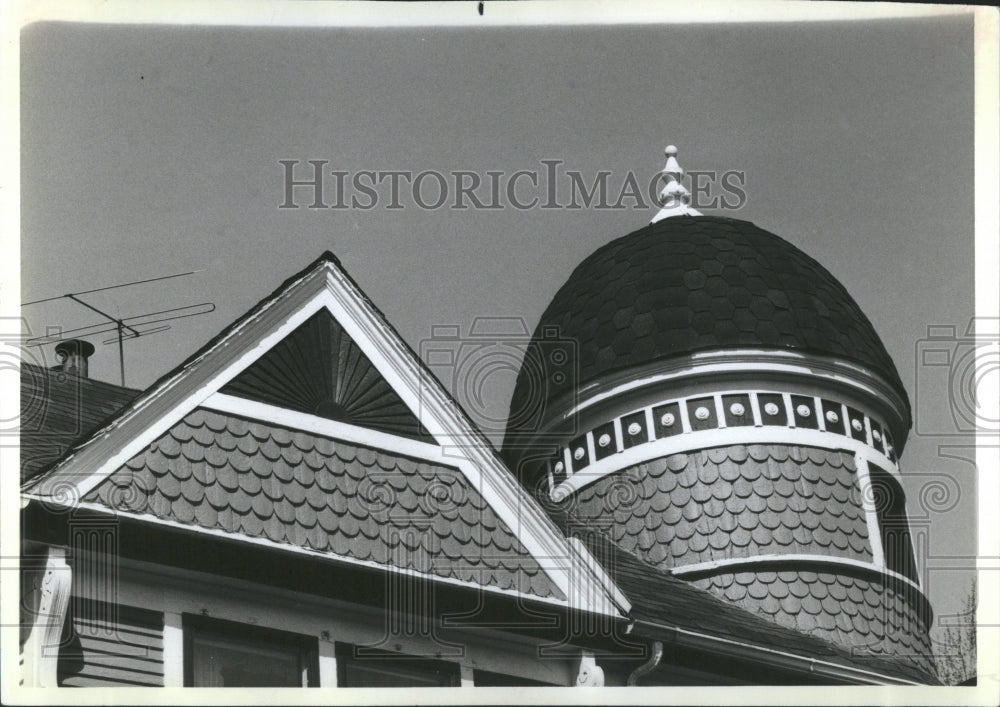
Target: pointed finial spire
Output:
[(675, 199)]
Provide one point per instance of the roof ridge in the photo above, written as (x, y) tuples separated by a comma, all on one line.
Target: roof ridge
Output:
[(92, 382)]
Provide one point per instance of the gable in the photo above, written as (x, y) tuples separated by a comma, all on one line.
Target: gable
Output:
[(322, 304), (319, 369), (301, 490)]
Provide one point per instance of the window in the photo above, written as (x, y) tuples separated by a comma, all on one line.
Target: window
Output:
[(226, 654), (366, 667), (890, 506)]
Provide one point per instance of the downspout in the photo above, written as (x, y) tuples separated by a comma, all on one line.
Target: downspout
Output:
[(648, 666)]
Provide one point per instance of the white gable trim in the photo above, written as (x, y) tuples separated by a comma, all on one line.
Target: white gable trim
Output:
[(618, 598), (327, 285), (283, 417), (452, 429)]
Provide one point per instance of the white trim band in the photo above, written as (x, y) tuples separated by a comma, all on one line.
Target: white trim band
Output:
[(750, 361), (739, 564), (301, 421)]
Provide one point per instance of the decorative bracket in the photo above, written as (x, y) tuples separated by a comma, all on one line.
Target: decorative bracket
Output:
[(589, 673), (41, 650)]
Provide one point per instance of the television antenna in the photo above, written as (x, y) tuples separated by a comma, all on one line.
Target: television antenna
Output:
[(125, 328)]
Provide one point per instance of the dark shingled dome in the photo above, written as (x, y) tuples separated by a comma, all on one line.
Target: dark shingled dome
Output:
[(697, 283)]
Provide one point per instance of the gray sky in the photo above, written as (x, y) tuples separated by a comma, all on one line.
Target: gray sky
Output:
[(152, 150)]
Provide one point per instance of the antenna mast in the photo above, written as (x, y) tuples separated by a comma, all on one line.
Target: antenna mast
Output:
[(121, 325)]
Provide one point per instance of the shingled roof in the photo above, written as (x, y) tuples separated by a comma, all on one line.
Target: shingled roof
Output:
[(697, 283), (58, 409)]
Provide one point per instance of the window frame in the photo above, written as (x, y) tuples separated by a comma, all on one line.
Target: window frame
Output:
[(304, 646), (892, 519), (448, 670)]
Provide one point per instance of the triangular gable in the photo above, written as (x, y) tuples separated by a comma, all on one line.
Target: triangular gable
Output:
[(318, 369), (325, 286)]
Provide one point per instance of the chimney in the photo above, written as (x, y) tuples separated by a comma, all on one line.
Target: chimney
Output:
[(73, 355)]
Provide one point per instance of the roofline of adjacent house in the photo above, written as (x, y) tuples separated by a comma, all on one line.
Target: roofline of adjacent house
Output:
[(767, 656), (86, 381)]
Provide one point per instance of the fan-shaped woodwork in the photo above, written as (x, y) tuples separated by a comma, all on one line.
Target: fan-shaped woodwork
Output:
[(318, 369)]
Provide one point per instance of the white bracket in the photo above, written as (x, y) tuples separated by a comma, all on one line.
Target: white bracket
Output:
[(41, 650), (589, 673)]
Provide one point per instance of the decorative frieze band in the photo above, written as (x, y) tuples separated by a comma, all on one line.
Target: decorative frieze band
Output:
[(730, 417)]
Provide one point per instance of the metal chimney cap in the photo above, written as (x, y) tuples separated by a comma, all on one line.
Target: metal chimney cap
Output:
[(74, 346)]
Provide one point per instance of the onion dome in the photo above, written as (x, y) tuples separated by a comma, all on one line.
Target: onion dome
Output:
[(696, 283), (686, 284), (715, 402)]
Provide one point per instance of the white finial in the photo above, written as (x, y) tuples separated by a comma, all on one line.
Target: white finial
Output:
[(675, 199)]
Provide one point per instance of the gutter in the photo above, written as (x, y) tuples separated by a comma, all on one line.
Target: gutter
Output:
[(767, 656)]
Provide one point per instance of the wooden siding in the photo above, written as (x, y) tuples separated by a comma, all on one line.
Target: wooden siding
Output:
[(111, 645)]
